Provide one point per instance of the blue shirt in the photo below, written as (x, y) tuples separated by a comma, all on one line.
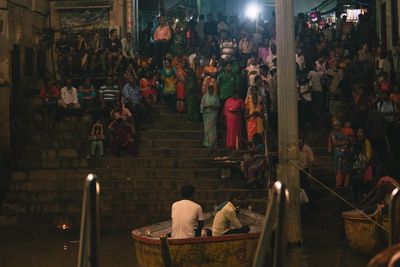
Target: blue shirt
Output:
[(130, 94)]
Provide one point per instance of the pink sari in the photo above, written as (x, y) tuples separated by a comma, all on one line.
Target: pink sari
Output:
[(233, 121)]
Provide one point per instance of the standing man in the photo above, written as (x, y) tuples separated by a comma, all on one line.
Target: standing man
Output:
[(162, 38), (109, 95), (113, 51), (185, 213), (127, 47), (97, 52)]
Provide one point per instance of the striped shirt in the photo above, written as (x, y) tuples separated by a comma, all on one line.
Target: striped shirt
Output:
[(109, 93)]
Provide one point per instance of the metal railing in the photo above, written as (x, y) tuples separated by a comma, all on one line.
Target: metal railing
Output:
[(394, 215), (89, 237), (272, 245)]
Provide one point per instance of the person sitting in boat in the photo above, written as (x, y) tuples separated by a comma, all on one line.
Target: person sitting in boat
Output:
[(185, 213), (380, 194), (226, 221)]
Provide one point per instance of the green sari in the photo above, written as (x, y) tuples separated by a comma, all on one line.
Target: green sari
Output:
[(192, 92), (209, 107)]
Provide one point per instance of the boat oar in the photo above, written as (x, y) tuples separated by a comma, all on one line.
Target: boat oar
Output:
[(165, 254)]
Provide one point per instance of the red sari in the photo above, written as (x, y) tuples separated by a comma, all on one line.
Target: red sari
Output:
[(147, 89), (181, 75), (233, 111)]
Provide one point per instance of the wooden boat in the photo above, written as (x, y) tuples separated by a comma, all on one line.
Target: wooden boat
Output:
[(231, 250), (362, 234)]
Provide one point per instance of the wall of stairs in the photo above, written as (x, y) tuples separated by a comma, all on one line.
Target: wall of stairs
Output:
[(49, 172)]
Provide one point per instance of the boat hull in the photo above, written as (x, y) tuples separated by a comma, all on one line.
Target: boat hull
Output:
[(362, 234), (236, 250)]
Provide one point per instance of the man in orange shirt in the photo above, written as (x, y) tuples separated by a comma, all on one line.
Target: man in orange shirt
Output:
[(162, 38)]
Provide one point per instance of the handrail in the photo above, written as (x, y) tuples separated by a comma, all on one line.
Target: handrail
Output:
[(89, 237), (271, 248), (394, 216)]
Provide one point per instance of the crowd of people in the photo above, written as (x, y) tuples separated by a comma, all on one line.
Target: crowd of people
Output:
[(224, 73)]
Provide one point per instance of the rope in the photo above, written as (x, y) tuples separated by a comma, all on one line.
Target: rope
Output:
[(341, 198)]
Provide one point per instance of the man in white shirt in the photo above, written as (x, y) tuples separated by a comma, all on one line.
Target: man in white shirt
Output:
[(226, 221), (127, 46), (185, 213), (69, 96), (252, 71)]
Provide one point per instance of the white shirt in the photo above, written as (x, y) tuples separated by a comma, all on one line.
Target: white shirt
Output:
[(225, 219), (69, 96), (315, 79), (127, 49), (184, 215)]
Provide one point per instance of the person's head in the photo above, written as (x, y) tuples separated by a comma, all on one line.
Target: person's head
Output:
[(86, 81), (119, 122), (257, 139), (167, 63), (253, 91), (161, 20), (234, 197), (128, 36), (201, 17), (131, 81), (360, 133), (337, 125), (236, 94), (273, 49), (96, 36), (258, 80), (209, 17), (228, 67), (385, 96), (68, 82), (113, 33), (188, 191), (299, 52), (347, 124)]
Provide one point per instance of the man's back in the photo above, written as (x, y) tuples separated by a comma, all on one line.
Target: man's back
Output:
[(184, 214)]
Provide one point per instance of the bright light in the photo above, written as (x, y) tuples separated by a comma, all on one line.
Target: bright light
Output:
[(252, 11), (176, 20)]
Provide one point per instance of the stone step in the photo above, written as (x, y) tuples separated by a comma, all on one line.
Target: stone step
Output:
[(127, 184), (132, 195), (116, 173), (179, 126), (169, 118)]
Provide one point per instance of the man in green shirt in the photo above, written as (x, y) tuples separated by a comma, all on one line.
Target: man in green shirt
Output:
[(228, 82)]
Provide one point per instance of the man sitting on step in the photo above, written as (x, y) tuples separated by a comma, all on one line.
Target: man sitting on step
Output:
[(185, 213), (226, 221)]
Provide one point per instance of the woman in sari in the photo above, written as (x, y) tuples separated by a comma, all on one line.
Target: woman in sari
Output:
[(210, 73), (209, 107), (169, 80), (233, 111), (191, 92), (254, 113), (148, 86), (181, 76)]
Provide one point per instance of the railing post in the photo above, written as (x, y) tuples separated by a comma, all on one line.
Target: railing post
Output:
[(89, 235), (394, 217), (272, 245)]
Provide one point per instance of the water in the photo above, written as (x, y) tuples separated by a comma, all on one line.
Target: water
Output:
[(44, 247)]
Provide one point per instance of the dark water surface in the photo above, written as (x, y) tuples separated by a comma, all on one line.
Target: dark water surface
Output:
[(44, 247)]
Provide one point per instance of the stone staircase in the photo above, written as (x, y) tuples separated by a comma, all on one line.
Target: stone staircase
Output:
[(48, 177)]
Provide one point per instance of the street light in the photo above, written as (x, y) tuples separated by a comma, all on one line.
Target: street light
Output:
[(252, 11)]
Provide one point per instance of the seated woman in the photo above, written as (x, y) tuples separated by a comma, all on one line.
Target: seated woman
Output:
[(148, 87), (253, 161), (380, 194), (87, 94), (122, 135)]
